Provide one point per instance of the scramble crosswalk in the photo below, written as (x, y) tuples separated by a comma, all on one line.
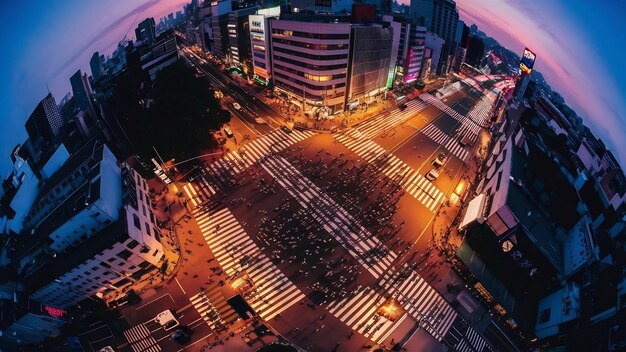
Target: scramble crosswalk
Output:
[(391, 166), (220, 174), (421, 301), (213, 308), (451, 144), (464, 338), (359, 311), (375, 126), (236, 252), (140, 339), (345, 229)]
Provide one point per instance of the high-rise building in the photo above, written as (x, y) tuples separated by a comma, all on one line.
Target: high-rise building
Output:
[(435, 44), (314, 77), (239, 35), (475, 51), (97, 70), (411, 44), (45, 122), (93, 233), (163, 53), (440, 17), (43, 127), (83, 97), (370, 61), (146, 31), (260, 42)]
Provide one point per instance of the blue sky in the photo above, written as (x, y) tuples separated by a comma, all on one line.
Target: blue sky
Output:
[(579, 45)]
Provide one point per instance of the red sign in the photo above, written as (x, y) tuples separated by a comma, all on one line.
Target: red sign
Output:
[(54, 312)]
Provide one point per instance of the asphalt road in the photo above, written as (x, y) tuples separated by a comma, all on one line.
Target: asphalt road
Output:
[(328, 228), (251, 107)]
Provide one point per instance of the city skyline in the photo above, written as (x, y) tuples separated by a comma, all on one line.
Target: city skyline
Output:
[(604, 109), (238, 175), (45, 56)]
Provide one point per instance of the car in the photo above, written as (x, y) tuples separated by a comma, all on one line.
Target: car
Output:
[(441, 159), (228, 131), (285, 129), (167, 320), (129, 299), (432, 175), (402, 107), (181, 335), (236, 106)]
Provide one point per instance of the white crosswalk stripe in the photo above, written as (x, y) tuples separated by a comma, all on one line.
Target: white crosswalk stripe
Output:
[(475, 119), (468, 341), (369, 251), (451, 144), (375, 126), (213, 308), (220, 174), (359, 312), (236, 252), (391, 166), (421, 301), (140, 339)]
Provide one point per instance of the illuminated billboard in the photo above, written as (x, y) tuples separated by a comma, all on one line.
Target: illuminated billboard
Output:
[(528, 60)]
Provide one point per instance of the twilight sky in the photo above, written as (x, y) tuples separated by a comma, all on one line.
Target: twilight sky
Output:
[(579, 46), (47, 42), (580, 49)]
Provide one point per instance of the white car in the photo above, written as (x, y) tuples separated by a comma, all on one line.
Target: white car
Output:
[(167, 320), (236, 106), (432, 175)]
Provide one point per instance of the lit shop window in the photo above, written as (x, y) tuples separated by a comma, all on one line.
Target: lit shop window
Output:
[(317, 78)]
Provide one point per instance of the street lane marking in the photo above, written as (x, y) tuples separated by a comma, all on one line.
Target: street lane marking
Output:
[(179, 285), (156, 299)]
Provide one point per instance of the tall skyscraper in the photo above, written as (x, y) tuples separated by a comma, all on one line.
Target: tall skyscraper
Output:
[(96, 66), (146, 31), (81, 88), (43, 126), (440, 17)]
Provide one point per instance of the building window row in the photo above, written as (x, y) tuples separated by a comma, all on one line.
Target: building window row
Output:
[(290, 33), (309, 76), (310, 45), (310, 66), (299, 84), (311, 56)]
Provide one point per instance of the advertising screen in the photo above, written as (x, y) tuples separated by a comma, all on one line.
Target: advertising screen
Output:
[(528, 60)]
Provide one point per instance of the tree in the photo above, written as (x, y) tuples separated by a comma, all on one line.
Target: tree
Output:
[(183, 113)]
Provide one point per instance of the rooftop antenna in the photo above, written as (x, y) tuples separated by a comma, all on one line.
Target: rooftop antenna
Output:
[(48, 88)]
